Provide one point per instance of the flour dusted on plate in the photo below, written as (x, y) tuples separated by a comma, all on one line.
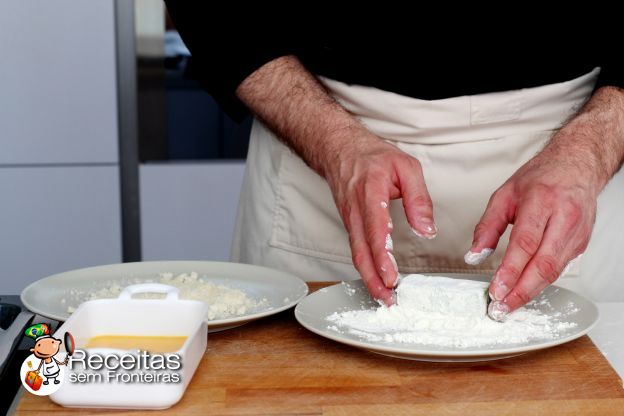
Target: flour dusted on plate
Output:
[(445, 312), (223, 301)]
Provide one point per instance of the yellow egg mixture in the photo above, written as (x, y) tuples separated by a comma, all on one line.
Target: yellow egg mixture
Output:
[(154, 344)]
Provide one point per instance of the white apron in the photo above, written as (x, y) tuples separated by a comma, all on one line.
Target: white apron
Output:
[(468, 146)]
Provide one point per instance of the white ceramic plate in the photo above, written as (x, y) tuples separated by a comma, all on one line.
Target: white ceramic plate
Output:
[(313, 310), (281, 290)]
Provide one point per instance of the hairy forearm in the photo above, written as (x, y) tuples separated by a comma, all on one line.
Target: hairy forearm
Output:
[(294, 105), (364, 172), (593, 140)]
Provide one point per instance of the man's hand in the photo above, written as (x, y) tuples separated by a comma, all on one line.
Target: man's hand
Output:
[(552, 207), (368, 174), (551, 202), (363, 171)]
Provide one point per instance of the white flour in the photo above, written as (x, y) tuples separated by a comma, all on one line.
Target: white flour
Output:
[(451, 315), (223, 302), (474, 258), (389, 243)]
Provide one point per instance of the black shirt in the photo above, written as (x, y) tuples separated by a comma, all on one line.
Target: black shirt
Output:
[(464, 60)]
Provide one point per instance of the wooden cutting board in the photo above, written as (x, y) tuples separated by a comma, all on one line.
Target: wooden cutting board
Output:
[(274, 366)]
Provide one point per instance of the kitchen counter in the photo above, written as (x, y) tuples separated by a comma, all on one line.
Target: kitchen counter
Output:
[(274, 366)]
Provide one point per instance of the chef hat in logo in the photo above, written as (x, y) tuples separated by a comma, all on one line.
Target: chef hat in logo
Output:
[(38, 331)]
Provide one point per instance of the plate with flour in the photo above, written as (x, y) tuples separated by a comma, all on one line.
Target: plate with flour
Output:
[(443, 318), (235, 293)]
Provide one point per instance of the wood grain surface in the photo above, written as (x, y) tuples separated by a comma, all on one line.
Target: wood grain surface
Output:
[(276, 367)]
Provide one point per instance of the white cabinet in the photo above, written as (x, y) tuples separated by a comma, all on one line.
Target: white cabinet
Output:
[(188, 209), (59, 173), (56, 219), (58, 82)]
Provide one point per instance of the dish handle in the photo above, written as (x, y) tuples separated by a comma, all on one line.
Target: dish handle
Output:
[(170, 291)]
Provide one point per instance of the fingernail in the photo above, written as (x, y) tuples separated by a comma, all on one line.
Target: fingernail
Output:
[(397, 280), (500, 291), (498, 288), (389, 243), (392, 299), (475, 258), (394, 262), (389, 278), (498, 311), (386, 299), (429, 227)]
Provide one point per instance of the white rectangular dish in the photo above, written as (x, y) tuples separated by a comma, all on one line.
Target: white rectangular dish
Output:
[(128, 316)]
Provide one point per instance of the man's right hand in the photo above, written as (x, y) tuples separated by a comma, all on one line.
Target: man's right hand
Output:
[(364, 177), (363, 171)]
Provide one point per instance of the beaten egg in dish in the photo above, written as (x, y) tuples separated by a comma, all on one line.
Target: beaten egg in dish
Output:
[(154, 344)]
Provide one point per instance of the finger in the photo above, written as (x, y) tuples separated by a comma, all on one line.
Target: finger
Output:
[(363, 260), (490, 227), (524, 241), (376, 217), (556, 250), (416, 201)]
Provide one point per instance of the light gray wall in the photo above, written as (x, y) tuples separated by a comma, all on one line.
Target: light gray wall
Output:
[(188, 209), (57, 82), (59, 184)]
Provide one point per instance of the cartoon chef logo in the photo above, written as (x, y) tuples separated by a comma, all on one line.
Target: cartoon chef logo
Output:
[(43, 371)]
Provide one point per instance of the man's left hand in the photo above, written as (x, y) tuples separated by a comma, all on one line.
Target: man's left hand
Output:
[(551, 203)]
